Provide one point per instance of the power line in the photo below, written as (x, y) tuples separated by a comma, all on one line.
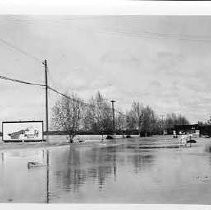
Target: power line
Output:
[(12, 46), (149, 35), (62, 94), (21, 81), (153, 35), (178, 35), (56, 91), (70, 98), (143, 34), (80, 101)]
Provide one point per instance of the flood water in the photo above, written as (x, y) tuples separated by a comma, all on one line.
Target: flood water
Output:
[(149, 170)]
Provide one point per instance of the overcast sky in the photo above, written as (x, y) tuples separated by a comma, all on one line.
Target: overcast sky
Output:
[(161, 61)]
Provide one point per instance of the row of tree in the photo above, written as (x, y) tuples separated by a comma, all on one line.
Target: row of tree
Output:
[(73, 115)]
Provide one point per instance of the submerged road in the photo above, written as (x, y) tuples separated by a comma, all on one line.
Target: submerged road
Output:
[(137, 170)]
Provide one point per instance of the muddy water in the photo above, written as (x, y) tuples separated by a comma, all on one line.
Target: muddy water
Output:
[(151, 170)]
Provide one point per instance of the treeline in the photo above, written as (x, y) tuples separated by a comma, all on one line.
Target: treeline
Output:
[(74, 116), (205, 127)]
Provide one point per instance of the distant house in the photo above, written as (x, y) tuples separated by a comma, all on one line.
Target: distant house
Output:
[(186, 128)]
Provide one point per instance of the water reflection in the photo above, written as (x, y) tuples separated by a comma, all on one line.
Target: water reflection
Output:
[(74, 166), (17, 182), (142, 161), (121, 172), (67, 170), (2, 157), (47, 175)]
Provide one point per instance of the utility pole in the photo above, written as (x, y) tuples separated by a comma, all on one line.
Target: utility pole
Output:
[(46, 94), (113, 111), (162, 124)]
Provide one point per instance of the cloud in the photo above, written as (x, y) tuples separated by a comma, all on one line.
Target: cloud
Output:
[(168, 74), (170, 63), (121, 57)]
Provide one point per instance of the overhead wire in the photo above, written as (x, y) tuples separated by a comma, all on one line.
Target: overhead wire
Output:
[(37, 59), (10, 45), (150, 34), (68, 97), (21, 81), (79, 100), (153, 35), (19, 50), (143, 34), (54, 90)]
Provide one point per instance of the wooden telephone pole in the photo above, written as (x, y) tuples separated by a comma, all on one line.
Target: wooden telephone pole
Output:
[(46, 94)]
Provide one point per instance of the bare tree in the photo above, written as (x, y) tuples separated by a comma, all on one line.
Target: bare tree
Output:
[(89, 121), (137, 110), (67, 114), (130, 121), (134, 117), (98, 116), (148, 121), (120, 122)]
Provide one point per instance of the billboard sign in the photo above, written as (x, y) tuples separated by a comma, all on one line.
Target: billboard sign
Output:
[(22, 130)]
